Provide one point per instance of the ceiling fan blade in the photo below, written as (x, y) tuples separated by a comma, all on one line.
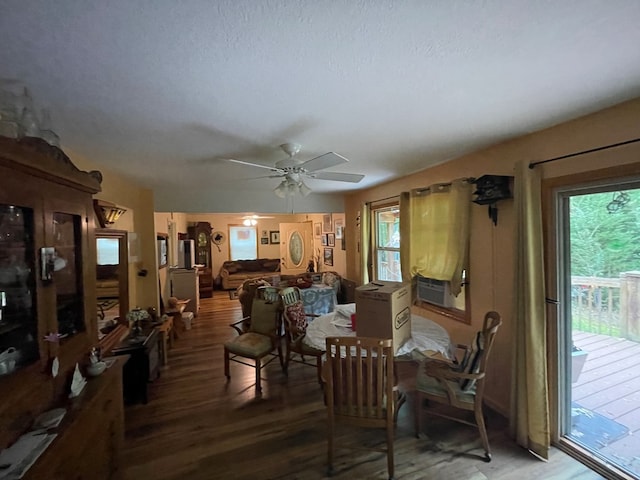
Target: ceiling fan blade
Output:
[(328, 160), (241, 162), (337, 176)]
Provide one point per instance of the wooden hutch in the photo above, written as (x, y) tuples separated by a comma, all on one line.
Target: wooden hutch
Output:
[(47, 287)]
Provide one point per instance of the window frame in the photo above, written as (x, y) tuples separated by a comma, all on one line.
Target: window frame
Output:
[(231, 237), (375, 211)]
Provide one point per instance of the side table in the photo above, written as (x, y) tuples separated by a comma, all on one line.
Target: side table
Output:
[(142, 366)]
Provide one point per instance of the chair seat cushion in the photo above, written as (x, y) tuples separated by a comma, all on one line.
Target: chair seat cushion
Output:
[(431, 386), (251, 345), (305, 349)]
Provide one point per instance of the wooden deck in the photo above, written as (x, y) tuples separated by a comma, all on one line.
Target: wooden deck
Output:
[(610, 385)]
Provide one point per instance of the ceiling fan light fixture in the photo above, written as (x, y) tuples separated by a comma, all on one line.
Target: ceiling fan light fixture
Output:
[(304, 189), (250, 222), (281, 190)]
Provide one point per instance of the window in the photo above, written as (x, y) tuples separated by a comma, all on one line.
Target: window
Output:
[(387, 243), (243, 242)]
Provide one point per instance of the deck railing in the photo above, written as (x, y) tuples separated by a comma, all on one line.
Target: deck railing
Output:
[(608, 306)]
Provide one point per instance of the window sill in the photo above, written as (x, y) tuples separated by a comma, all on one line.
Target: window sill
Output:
[(452, 313)]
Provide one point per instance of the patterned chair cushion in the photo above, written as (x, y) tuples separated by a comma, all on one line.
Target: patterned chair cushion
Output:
[(297, 317), (471, 362), (430, 385)]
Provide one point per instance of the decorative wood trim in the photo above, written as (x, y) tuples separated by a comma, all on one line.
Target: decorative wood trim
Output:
[(36, 157)]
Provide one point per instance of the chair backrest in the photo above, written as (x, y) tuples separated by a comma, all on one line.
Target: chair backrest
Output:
[(290, 295), (475, 360), (265, 312), (268, 293), (360, 379)]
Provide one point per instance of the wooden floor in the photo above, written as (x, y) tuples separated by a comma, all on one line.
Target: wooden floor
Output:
[(197, 426)]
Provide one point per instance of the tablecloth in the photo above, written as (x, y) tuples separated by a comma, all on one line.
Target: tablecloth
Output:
[(319, 299), (427, 337)]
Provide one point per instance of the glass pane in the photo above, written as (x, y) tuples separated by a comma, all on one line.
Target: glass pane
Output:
[(388, 266), (388, 227), (243, 243), (603, 304), (18, 318), (108, 251), (67, 273)]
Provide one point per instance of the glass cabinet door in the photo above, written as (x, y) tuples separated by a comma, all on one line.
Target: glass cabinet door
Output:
[(18, 316), (67, 273)]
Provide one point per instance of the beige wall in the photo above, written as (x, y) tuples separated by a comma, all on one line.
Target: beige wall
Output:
[(492, 247), (139, 218), (222, 221)]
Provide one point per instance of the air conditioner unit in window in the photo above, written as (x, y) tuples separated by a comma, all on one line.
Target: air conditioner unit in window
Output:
[(434, 291)]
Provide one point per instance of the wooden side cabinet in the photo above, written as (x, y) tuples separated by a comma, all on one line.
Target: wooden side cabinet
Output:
[(201, 234), (91, 435)]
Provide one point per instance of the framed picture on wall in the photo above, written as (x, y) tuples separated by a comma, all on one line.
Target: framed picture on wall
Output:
[(338, 226), (328, 256), (324, 239), (331, 240), (317, 229), (327, 224), (274, 236), (264, 241)]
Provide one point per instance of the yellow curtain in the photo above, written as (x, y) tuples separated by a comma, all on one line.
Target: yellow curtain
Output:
[(529, 395), (365, 244), (439, 234)]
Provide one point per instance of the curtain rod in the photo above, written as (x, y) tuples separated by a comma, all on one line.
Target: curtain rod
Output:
[(575, 154), (445, 184)]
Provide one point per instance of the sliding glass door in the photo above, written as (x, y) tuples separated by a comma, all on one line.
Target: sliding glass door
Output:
[(598, 231)]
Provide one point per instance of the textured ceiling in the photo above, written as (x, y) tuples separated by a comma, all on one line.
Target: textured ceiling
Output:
[(162, 90)]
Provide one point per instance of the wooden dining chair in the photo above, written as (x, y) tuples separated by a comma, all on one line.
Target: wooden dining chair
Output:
[(460, 384), (258, 335), (295, 325), (359, 389)]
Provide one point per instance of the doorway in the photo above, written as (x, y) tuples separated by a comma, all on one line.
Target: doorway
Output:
[(598, 258), (296, 247), (112, 279)]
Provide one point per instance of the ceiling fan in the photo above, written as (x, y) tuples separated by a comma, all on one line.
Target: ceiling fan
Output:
[(292, 171)]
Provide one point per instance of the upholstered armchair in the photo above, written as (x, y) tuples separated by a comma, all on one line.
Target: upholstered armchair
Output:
[(258, 335)]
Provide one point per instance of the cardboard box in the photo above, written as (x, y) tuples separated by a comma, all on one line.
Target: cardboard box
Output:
[(383, 310)]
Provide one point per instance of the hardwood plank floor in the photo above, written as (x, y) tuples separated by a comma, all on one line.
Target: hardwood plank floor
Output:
[(197, 426)]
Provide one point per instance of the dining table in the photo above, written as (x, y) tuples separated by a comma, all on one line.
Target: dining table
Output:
[(428, 338)]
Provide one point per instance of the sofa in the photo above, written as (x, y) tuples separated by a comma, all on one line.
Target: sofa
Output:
[(233, 273), (107, 281)]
